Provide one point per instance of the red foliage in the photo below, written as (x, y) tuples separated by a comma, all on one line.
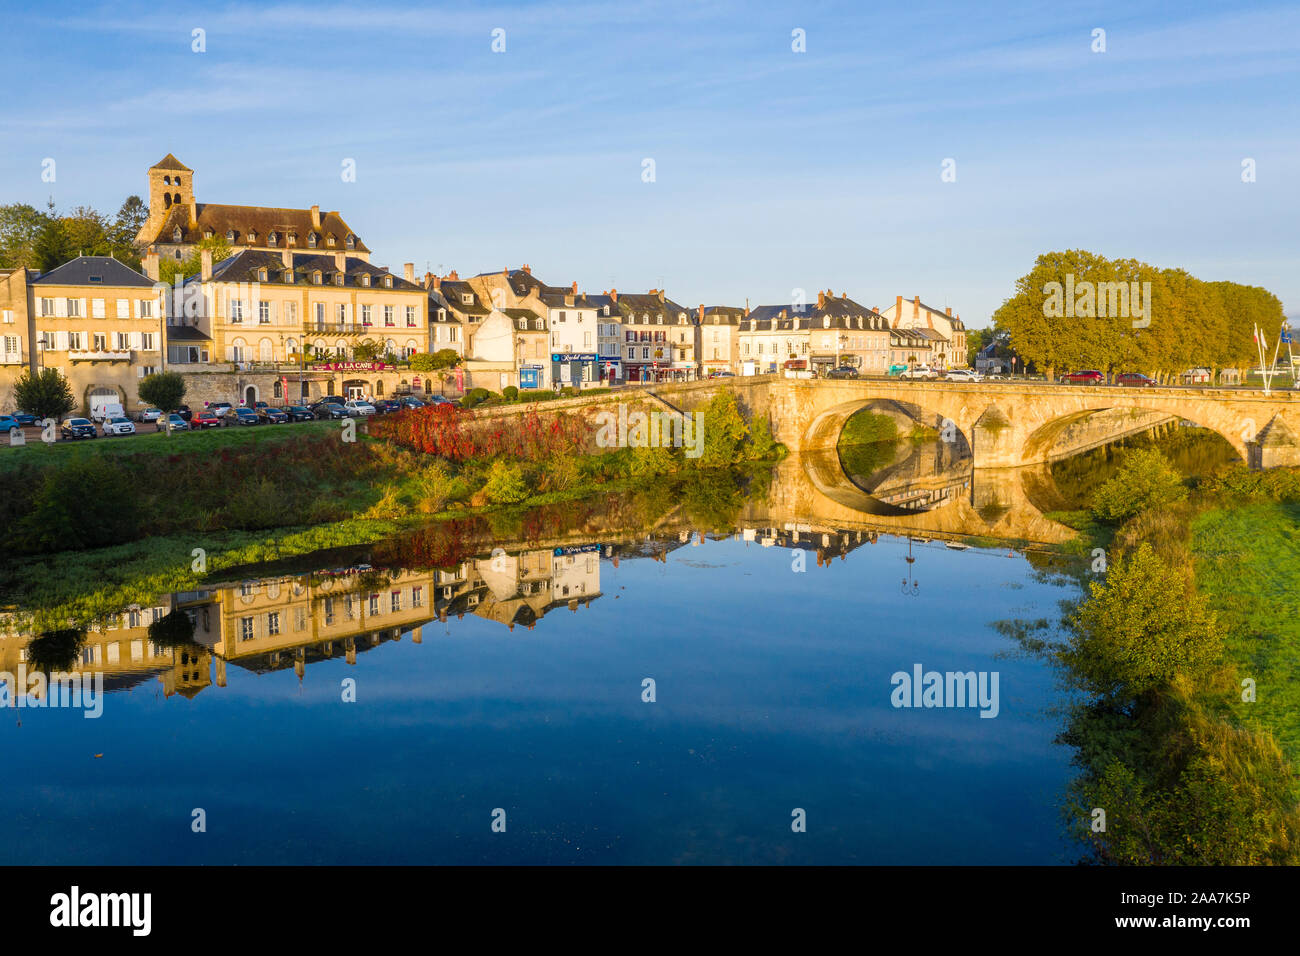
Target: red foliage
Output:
[(458, 434)]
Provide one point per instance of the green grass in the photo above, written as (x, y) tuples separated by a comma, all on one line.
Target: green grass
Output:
[(150, 442), (1248, 564)]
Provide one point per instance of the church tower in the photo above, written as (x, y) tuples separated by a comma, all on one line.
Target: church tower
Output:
[(171, 184)]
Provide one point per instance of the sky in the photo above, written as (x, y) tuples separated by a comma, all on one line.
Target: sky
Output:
[(773, 169)]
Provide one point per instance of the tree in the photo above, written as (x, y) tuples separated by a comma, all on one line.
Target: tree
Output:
[(46, 394), (1145, 480), (20, 227), (446, 358), (367, 351), (163, 390), (52, 247)]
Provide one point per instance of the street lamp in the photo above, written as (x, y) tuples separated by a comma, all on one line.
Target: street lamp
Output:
[(911, 588)]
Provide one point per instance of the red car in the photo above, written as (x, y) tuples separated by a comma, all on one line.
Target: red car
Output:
[(1090, 377), (1134, 380), (205, 419)]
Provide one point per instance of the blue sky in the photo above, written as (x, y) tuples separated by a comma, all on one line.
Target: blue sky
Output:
[(774, 170)]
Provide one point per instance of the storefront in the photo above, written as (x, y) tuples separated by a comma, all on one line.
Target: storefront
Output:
[(575, 368), (530, 376), (611, 370)]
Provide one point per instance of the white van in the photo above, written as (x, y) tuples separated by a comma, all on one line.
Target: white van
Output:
[(102, 409)]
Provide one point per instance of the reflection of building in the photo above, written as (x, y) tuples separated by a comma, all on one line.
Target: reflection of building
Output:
[(121, 649)]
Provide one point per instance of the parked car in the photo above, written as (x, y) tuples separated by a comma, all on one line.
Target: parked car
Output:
[(722, 373), (1088, 377), (843, 371), (329, 400), (7, 424), (410, 401), (77, 428), (273, 416), (1134, 380), (241, 416), (300, 413), (118, 426), (177, 423), (24, 419), (386, 406), (359, 407), (184, 412), (330, 410), (963, 375), (219, 408), (205, 419), (923, 372), (441, 400), (102, 409), (148, 414)]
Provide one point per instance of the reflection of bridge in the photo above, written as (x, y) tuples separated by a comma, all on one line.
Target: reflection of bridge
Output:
[(812, 489), (1014, 424)]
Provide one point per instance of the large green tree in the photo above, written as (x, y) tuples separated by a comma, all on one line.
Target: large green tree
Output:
[(46, 394)]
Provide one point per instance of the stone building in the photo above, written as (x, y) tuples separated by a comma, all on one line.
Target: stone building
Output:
[(835, 331), (178, 221), (717, 338), (659, 337), (945, 331), (97, 321)]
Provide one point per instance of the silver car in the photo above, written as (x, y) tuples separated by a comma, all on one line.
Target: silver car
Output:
[(117, 426)]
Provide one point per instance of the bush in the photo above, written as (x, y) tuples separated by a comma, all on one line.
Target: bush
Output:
[(1142, 627), (762, 445), (724, 430), (89, 503), (505, 483), (1145, 481), (1241, 483), (510, 393), (475, 396)]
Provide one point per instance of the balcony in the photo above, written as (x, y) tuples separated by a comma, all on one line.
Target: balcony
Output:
[(99, 355), (347, 328)]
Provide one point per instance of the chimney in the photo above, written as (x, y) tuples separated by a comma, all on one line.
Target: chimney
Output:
[(151, 264), (341, 261), (286, 256), (437, 282), (821, 299), (315, 217), (949, 311), (529, 269), (844, 295), (408, 271), (453, 276), (506, 272), (613, 294), (916, 307), (205, 264), (898, 307), (575, 288), (661, 294), (701, 313)]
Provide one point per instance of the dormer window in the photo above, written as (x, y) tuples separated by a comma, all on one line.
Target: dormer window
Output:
[(330, 240), (351, 241), (365, 280), (177, 234), (288, 276), (230, 235), (293, 238), (252, 237), (442, 315), (467, 298), (208, 233), (388, 282), (311, 240), (316, 277), (338, 278), (523, 325), (261, 275), (273, 237)]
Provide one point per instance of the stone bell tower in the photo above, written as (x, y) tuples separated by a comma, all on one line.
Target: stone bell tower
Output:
[(171, 184)]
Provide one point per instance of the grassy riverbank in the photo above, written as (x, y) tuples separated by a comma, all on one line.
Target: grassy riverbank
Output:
[(1183, 650)]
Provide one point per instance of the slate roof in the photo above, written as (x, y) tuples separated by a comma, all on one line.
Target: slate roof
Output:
[(80, 271), (634, 305), (171, 162), (843, 313), (453, 289), (244, 266)]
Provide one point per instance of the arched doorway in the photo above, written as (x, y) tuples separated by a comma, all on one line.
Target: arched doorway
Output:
[(250, 396)]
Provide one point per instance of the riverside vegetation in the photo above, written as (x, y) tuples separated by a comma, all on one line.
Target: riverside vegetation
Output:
[(1182, 653), (89, 528)]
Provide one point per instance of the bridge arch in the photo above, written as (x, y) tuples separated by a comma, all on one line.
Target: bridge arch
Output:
[(1038, 444), (826, 426)]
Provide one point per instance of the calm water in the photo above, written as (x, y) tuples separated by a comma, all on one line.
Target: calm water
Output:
[(517, 683)]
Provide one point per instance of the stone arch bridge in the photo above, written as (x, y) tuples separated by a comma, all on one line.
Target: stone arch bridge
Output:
[(1009, 425)]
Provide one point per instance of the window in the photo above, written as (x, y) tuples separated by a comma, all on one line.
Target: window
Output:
[(123, 309), (330, 241), (236, 310), (245, 628), (263, 312), (74, 308), (96, 308), (316, 278), (365, 280), (311, 240), (291, 312), (374, 604), (145, 306), (329, 611), (466, 298), (365, 314), (338, 278), (74, 341), (320, 313), (410, 316), (97, 342), (388, 315), (395, 601), (230, 235), (273, 623), (261, 273), (300, 619), (631, 352), (417, 596), (341, 313), (146, 341)]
